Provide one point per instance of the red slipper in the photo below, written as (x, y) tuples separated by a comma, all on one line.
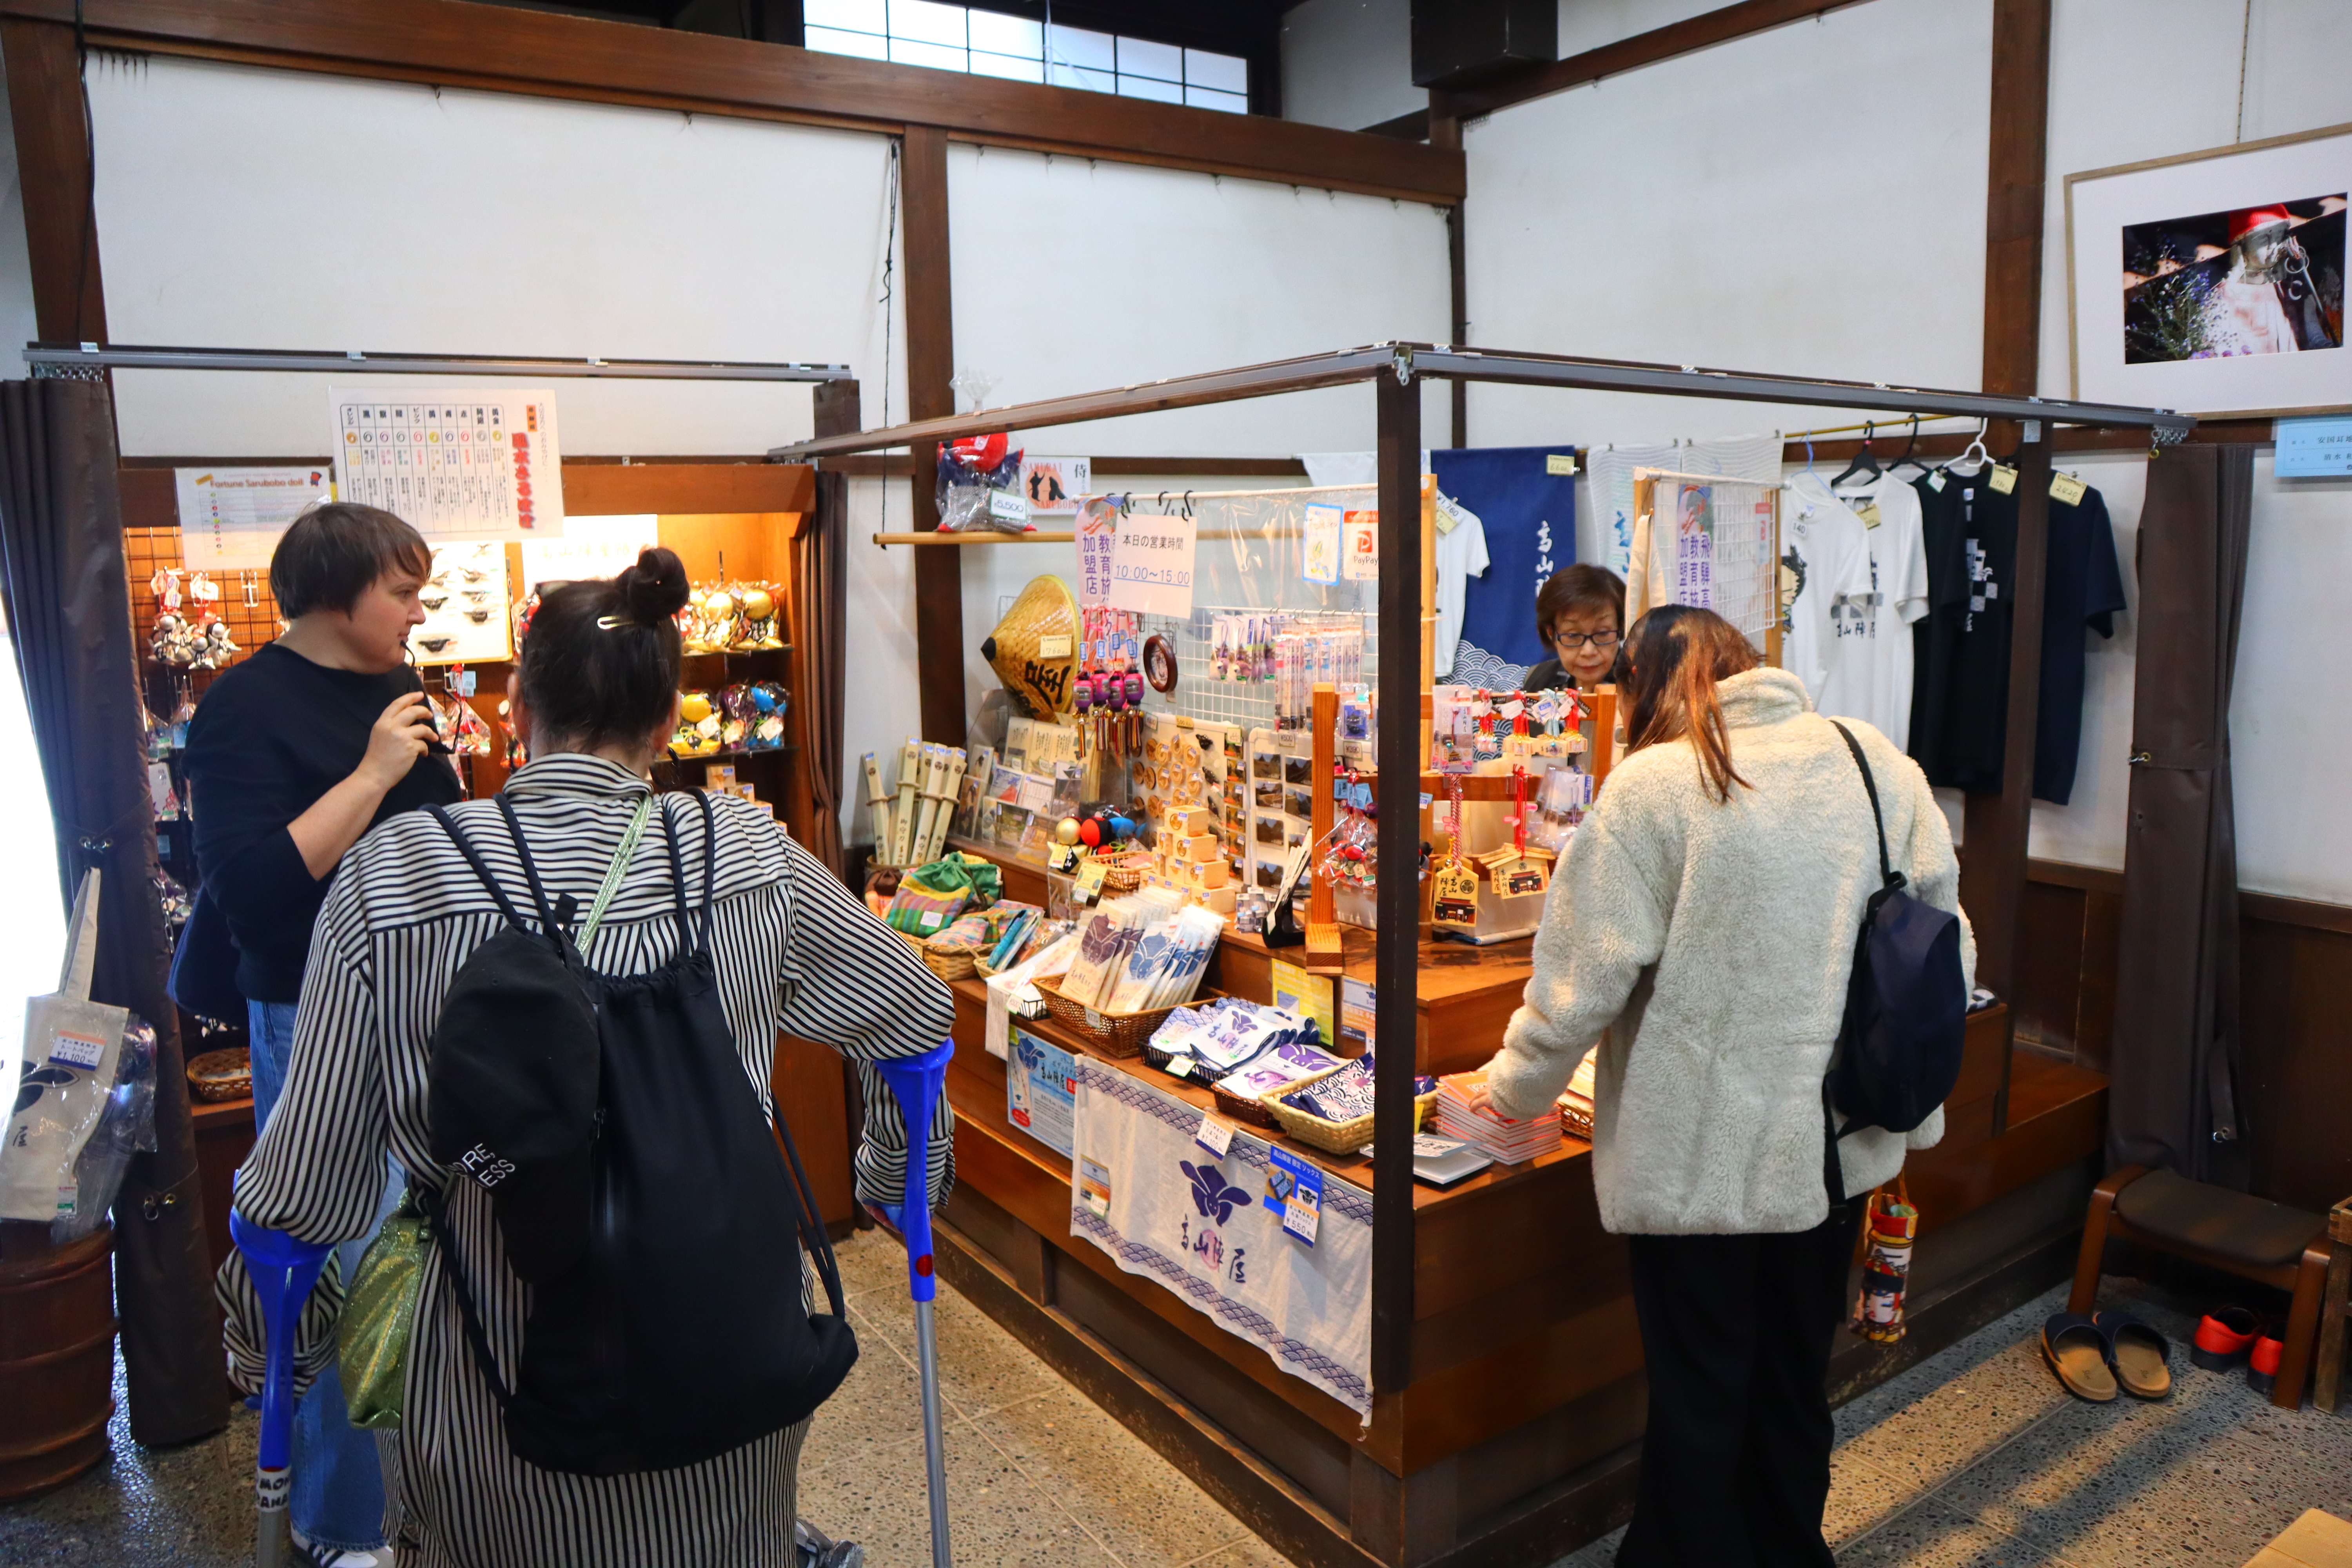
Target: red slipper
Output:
[(2262, 1367), (2223, 1337)]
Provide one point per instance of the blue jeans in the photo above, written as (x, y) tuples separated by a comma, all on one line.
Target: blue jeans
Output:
[(338, 1498)]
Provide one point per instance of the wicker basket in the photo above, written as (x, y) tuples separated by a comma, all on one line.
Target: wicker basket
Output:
[(946, 965), (1114, 1034), (221, 1075), (1336, 1137), (1255, 1111)]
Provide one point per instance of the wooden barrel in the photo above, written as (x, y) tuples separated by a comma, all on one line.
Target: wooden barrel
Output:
[(57, 1358)]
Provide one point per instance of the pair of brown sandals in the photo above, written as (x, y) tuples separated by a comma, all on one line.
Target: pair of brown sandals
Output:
[(2104, 1353)]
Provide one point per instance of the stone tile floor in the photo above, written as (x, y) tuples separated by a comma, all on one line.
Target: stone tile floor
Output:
[(1972, 1459)]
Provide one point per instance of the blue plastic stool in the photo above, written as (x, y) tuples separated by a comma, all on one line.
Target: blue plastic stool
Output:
[(283, 1271), (915, 1082)]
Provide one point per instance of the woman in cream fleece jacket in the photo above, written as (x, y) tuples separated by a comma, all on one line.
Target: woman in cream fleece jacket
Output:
[(1701, 929)]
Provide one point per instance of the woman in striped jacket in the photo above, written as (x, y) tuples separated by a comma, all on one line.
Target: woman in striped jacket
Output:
[(795, 952)]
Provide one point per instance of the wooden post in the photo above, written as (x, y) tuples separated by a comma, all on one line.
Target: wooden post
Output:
[(45, 106), (930, 369), (1992, 858), (1398, 943)]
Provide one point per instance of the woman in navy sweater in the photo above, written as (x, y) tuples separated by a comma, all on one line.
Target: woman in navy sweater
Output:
[(292, 756)]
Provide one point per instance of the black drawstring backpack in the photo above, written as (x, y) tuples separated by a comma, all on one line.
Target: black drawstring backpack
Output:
[(1906, 1004), (657, 1218)]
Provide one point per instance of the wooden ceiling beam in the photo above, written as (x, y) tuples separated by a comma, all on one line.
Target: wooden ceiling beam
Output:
[(1686, 36), (500, 48)]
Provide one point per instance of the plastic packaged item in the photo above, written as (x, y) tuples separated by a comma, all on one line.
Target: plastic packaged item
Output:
[(125, 1126), (979, 487), (700, 722)]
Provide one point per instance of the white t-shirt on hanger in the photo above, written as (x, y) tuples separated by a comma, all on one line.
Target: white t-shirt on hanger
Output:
[(1460, 555), (1871, 677), (1824, 544)]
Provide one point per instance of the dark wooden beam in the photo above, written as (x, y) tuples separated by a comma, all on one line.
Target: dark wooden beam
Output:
[(1396, 1005), (45, 109), (1992, 878), (930, 369), (503, 48), (2017, 163), (1687, 37), (1445, 131)]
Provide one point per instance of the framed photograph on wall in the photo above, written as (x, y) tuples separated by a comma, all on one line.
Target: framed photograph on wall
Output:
[(2213, 282)]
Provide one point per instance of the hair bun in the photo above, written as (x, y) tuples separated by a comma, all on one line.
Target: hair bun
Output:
[(655, 587)]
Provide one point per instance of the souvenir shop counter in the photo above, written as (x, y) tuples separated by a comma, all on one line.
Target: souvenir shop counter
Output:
[(1527, 1365)]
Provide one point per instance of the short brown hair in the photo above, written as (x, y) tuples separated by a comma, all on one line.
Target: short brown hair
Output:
[(335, 550), (1678, 653), (1579, 587)]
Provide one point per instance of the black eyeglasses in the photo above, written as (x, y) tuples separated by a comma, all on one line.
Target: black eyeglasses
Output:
[(1572, 640)]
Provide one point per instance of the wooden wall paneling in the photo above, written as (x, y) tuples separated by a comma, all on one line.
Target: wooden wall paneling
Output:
[(930, 367), (598, 490), (503, 48), (1505, 1469), (811, 1099), (2296, 1061), (2048, 965), (45, 109)]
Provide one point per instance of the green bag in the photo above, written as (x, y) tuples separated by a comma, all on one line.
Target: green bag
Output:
[(378, 1313), (380, 1309)]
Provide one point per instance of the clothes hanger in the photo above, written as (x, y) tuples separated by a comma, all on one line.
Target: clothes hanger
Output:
[(1976, 458), (1909, 450), (1865, 462)]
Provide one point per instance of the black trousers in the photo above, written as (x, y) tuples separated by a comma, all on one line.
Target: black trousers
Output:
[(1737, 1330)]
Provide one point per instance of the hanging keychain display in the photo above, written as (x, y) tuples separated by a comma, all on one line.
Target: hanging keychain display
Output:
[(1454, 892)]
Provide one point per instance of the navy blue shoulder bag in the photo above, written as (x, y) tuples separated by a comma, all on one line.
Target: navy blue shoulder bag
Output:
[(1898, 1049)]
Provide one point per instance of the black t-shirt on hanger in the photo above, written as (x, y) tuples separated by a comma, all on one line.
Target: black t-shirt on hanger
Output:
[(1959, 715), (2086, 590)]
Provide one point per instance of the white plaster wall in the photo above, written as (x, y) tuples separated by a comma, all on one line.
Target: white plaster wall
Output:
[(1349, 63), (1073, 276), (250, 209), (2133, 79), (1808, 200)]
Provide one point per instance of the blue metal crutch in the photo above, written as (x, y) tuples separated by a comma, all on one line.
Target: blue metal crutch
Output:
[(283, 1270), (915, 1082)]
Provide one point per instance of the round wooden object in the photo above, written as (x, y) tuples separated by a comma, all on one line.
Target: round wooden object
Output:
[(57, 1358)]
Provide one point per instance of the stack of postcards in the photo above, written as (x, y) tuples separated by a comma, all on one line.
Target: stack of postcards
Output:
[(1498, 1136), (1576, 1100)]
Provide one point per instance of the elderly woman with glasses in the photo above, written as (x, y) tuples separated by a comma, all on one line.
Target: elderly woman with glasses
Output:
[(1581, 613)]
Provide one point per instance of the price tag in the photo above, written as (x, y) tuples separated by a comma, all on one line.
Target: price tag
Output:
[(2003, 479), (1936, 479), (1868, 512), (1294, 1189), (76, 1051), (1215, 1136), (1560, 464), (1180, 1067), (1008, 506), (2067, 490), (1090, 878)]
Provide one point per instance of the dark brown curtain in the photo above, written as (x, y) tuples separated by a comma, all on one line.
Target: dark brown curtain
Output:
[(68, 609), (2173, 1100)]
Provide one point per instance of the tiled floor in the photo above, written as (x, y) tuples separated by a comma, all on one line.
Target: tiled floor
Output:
[(1973, 1459)]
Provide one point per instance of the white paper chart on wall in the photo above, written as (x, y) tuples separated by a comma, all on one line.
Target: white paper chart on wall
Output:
[(453, 464)]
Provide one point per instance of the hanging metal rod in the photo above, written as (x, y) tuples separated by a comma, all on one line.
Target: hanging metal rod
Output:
[(1406, 360), (125, 356)]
